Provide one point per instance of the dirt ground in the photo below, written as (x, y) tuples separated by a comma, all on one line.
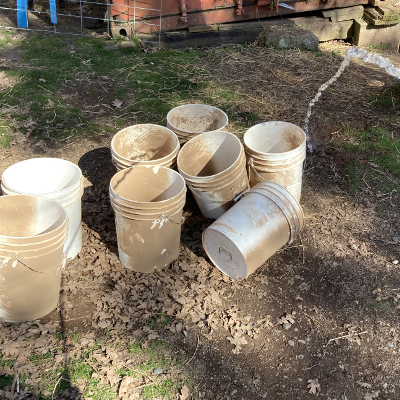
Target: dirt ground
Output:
[(336, 288)]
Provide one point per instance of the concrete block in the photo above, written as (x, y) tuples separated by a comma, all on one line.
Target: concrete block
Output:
[(324, 29), (124, 30), (367, 34), (203, 28), (344, 14), (288, 37)]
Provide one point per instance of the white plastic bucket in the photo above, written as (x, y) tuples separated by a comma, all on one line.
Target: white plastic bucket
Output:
[(55, 179), (144, 144), (33, 231), (276, 152), (214, 167), (265, 219), (190, 120), (148, 203)]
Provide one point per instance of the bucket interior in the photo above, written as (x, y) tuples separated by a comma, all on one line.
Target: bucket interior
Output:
[(209, 154), (144, 142), (274, 137), (197, 118), (25, 216), (41, 175), (147, 184)]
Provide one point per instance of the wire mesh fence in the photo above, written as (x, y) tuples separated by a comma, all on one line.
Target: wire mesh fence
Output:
[(84, 17)]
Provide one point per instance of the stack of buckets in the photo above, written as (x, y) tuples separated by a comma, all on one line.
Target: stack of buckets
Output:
[(40, 228), (32, 237), (255, 217), (148, 203)]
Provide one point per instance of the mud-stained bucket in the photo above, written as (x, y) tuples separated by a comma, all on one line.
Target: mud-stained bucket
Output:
[(148, 203), (276, 152), (265, 219), (55, 179), (144, 144), (33, 231), (190, 120), (214, 167)]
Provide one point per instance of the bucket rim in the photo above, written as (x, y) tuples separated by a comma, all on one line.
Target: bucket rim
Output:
[(213, 182), (191, 105), (215, 176), (183, 191), (173, 134), (157, 210), (64, 222), (284, 154), (59, 193), (132, 163)]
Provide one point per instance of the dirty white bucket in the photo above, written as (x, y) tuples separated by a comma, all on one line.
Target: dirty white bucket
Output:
[(265, 219), (33, 231), (190, 120), (214, 167), (144, 144), (276, 152), (55, 179), (148, 203)]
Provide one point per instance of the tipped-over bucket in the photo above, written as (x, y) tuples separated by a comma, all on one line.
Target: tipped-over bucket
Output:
[(33, 231), (190, 120), (148, 203), (214, 167), (276, 152), (55, 179), (144, 144), (265, 219)]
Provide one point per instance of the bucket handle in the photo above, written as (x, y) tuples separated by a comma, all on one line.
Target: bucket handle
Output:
[(235, 199), (250, 163), (13, 256)]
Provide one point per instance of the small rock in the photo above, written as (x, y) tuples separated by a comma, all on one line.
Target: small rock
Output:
[(353, 247), (338, 246), (302, 341), (300, 379), (308, 339), (158, 371), (390, 344), (300, 356), (379, 290), (296, 329), (396, 240), (290, 343), (395, 262), (110, 46), (286, 326), (264, 396)]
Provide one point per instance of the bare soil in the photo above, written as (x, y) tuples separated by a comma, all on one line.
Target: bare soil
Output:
[(336, 288)]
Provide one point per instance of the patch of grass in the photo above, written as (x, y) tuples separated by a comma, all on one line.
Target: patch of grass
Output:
[(37, 358), (60, 336), (164, 389), (375, 158), (135, 348), (382, 306), (381, 47), (159, 321), (5, 381), (3, 362)]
